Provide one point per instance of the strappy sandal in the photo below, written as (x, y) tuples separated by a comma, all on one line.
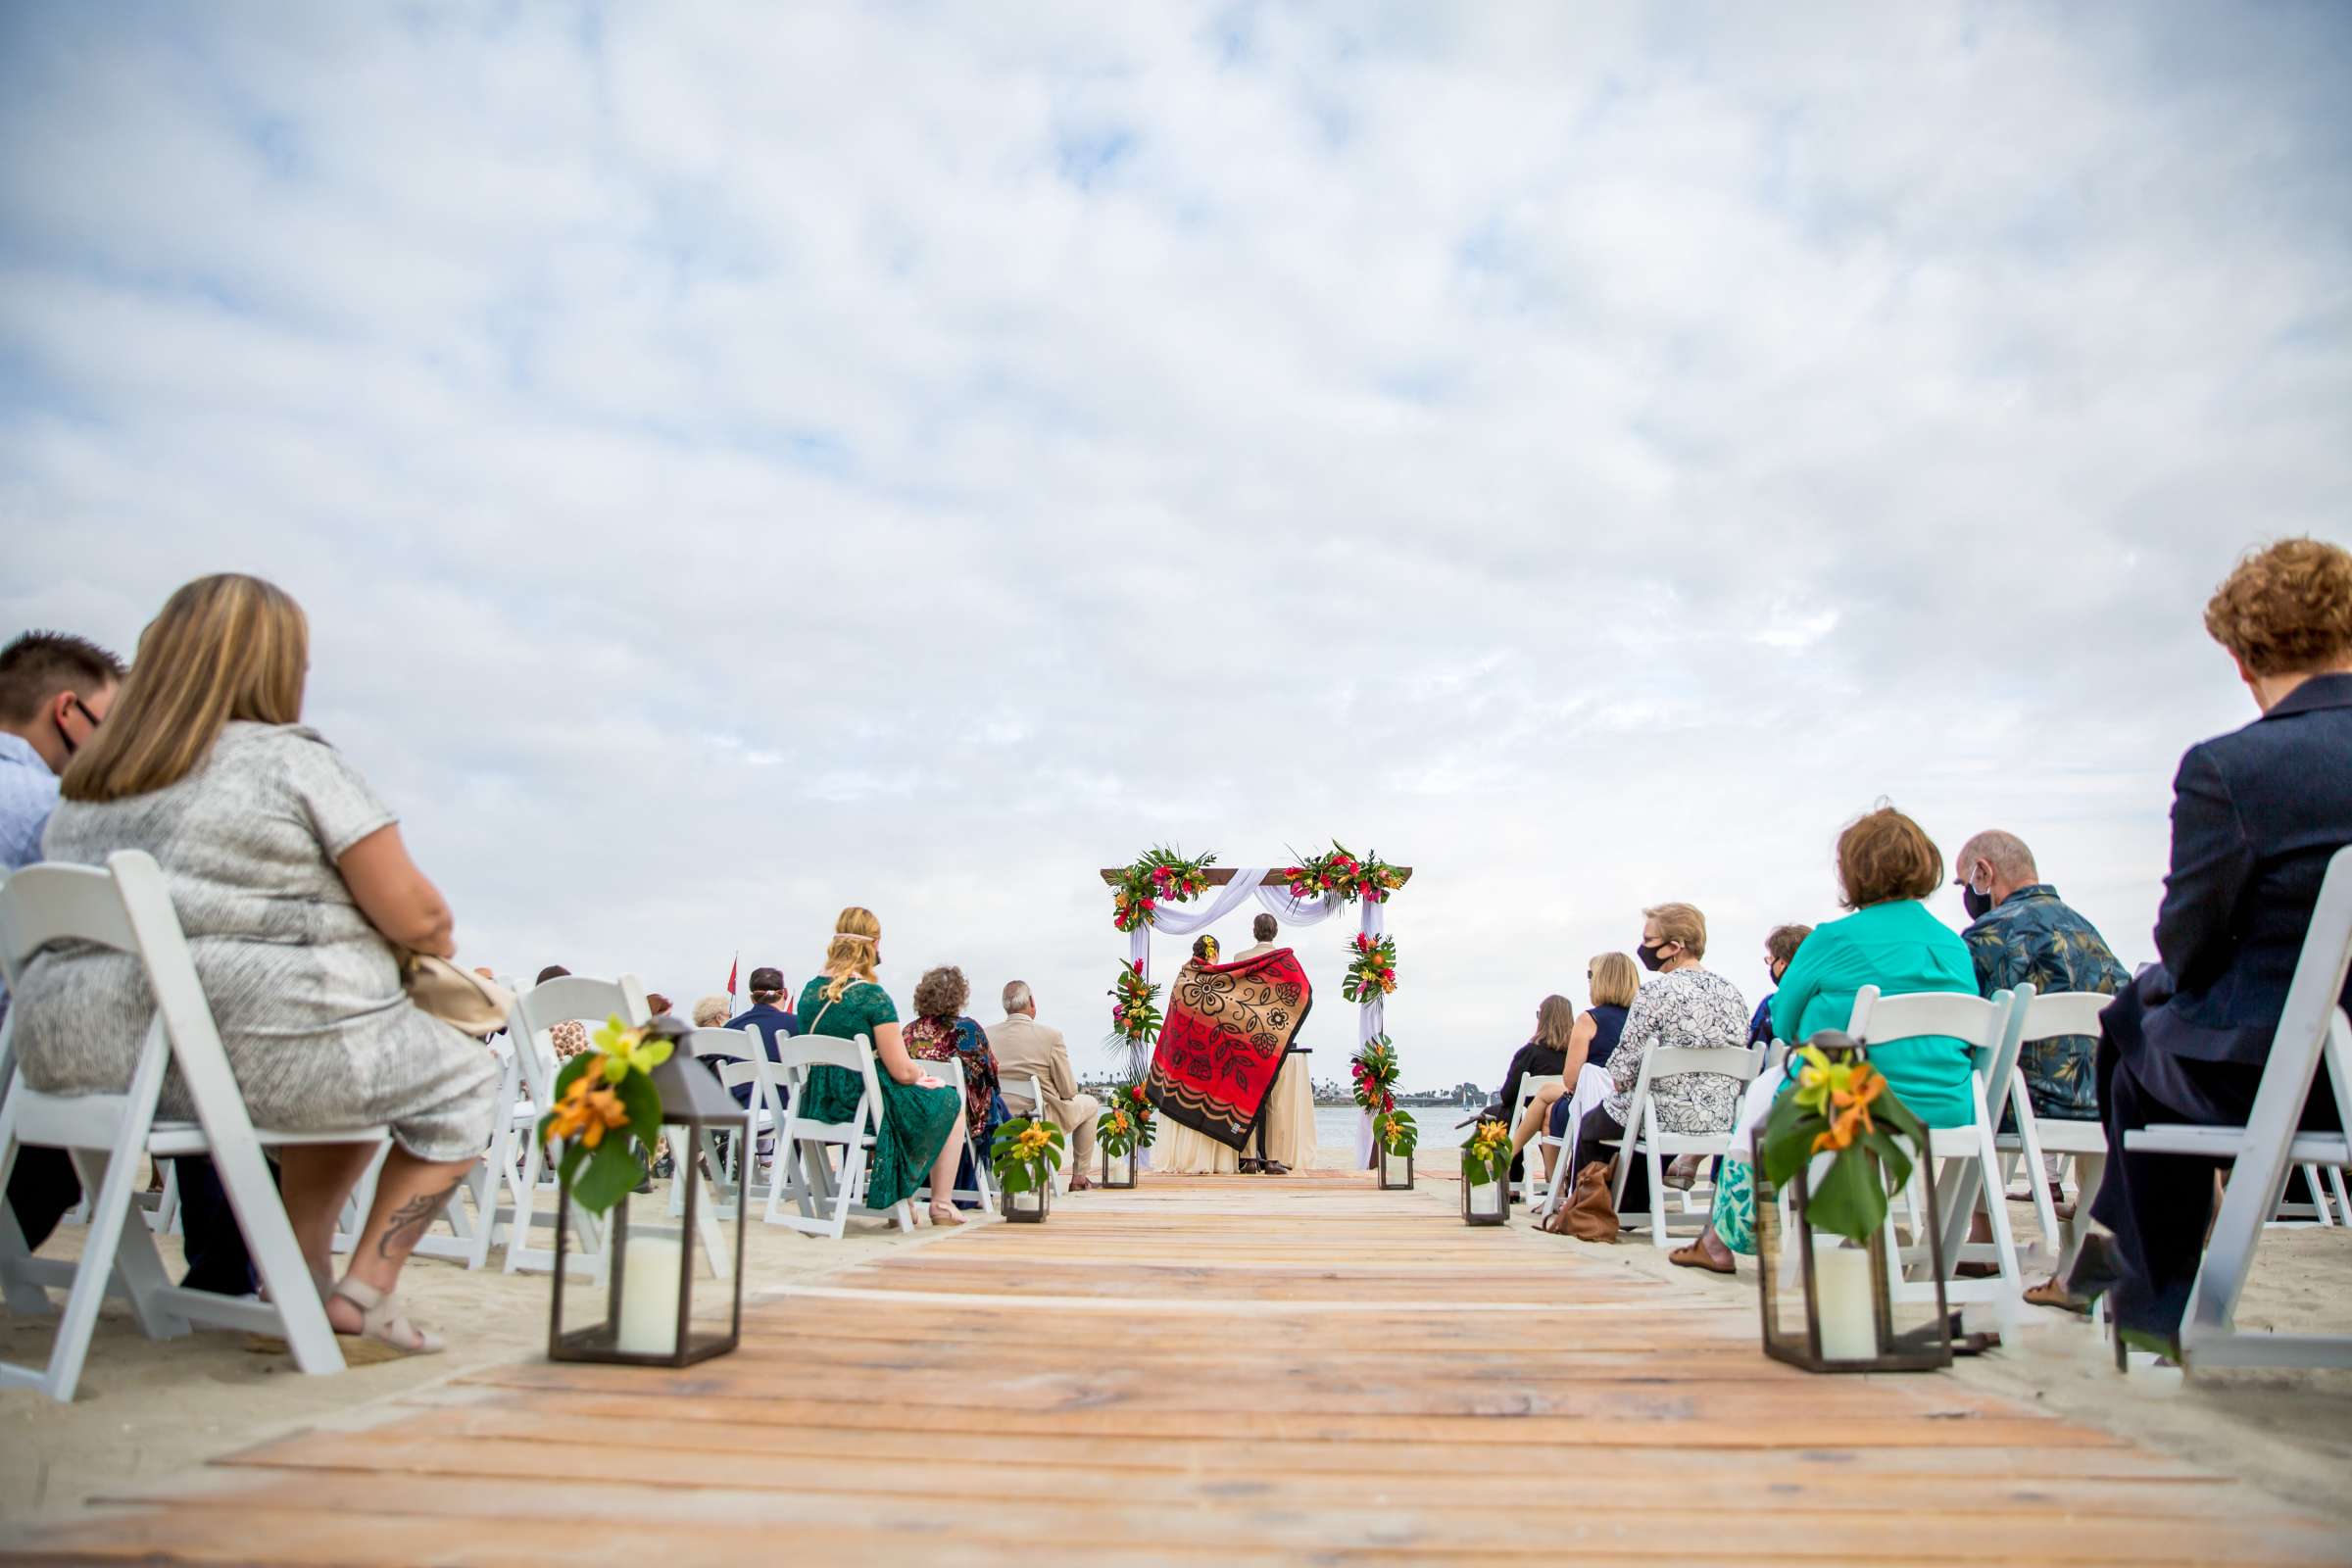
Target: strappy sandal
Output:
[(384, 1322), (945, 1214), (1695, 1256)]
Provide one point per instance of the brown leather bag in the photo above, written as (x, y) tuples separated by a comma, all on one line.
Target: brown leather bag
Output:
[(1591, 1212)]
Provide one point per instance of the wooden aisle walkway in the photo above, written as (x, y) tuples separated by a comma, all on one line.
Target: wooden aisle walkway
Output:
[(1218, 1371)]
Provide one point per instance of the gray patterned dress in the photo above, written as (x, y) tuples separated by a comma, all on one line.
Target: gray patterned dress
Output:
[(304, 992)]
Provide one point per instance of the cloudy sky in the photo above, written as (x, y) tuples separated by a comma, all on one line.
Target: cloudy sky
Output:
[(743, 461)]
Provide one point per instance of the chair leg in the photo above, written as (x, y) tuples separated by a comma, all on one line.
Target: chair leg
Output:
[(2343, 1204), (2319, 1197), (1658, 1196), (107, 1213)]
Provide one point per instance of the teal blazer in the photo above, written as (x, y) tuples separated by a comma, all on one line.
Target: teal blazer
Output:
[(1898, 947)]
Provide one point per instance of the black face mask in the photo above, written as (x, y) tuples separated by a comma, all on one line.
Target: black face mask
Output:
[(1977, 904), (1651, 958)]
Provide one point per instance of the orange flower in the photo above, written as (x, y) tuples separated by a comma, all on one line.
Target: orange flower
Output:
[(588, 1107), (1853, 1110)]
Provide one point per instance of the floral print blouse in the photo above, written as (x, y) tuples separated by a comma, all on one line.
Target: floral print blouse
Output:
[(1687, 1009)]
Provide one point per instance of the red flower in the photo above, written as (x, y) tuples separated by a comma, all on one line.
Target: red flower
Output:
[(1388, 1102)]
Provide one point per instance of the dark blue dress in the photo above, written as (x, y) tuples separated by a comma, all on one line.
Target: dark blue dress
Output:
[(1608, 1023)]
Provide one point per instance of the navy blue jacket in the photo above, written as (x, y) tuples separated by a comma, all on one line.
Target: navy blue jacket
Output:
[(2256, 815)]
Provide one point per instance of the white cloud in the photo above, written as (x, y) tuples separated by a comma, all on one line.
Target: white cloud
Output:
[(742, 464)]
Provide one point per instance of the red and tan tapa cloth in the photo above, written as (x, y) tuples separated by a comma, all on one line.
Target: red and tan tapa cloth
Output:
[(1228, 1028)]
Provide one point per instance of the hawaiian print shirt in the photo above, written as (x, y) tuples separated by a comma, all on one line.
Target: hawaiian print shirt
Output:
[(1688, 1009), (2031, 935)]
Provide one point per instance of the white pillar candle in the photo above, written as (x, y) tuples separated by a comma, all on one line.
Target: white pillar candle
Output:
[(648, 1295), (1849, 1326), (1487, 1198)]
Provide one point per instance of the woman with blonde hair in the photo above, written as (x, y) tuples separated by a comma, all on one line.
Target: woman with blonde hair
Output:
[(1583, 1078), (297, 895), (921, 1136)]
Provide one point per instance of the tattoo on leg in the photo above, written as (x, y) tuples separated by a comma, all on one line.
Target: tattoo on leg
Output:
[(410, 1219)]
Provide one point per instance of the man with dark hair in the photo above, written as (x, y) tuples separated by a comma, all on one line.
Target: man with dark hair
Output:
[(1283, 1094), (1266, 928), (768, 1016), (54, 690)]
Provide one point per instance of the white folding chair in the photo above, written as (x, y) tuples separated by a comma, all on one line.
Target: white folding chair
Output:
[(826, 1195), (2313, 1029), (1968, 1160), (1036, 1097), (983, 1190), (127, 908), (1525, 1189), (2058, 1015), (729, 1054), (537, 1011), (1644, 1136)]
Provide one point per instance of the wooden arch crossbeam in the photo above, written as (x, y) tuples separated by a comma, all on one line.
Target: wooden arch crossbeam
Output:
[(1217, 876)]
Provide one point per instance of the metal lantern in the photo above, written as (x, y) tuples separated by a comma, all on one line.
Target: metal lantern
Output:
[(1827, 1303), (1396, 1170), (1119, 1170), (1031, 1207), (648, 1312), (1486, 1203)]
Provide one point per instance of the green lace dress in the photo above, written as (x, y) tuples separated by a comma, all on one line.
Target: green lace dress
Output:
[(916, 1122)]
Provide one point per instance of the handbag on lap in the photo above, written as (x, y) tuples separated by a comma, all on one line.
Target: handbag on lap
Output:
[(454, 996), (1591, 1212)]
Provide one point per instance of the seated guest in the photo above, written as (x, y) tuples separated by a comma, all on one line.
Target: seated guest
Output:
[(1584, 1080), (2022, 933), (1025, 1048), (1544, 1056), (570, 1037), (921, 1137), (711, 1012), (773, 1021), (942, 1033), (2256, 816), (1686, 1008), (1886, 866), (1779, 950), (291, 881)]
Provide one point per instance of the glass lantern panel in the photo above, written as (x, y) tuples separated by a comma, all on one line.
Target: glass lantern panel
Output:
[(1486, 1198)]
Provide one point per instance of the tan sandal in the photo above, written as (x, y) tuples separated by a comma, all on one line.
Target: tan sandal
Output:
[(1695, 1256), (945, 1214), (385, 1321)]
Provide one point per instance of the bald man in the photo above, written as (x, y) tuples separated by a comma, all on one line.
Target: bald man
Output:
[(2022, 932)]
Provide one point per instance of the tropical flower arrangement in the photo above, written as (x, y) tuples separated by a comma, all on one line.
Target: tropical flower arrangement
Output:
[(606, 1114), (1133, 1007), (1129, 1124), (1026, 1153), (1374, 1071), (1340, 873), (1842, 1106), (1486, 1156), (1396, 1132), (1372, 972), (1160, 876)]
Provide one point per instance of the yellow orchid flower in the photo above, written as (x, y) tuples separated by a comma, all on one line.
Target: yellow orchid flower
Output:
[(626, 1050)]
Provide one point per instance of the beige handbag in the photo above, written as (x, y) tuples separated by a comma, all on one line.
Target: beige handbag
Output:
[(455, 996), (1591, 1212)]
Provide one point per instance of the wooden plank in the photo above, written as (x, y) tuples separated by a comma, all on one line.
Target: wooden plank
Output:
[(1214, 1373)]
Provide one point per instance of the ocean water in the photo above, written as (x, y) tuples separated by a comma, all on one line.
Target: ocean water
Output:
[(1336, 1126)]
